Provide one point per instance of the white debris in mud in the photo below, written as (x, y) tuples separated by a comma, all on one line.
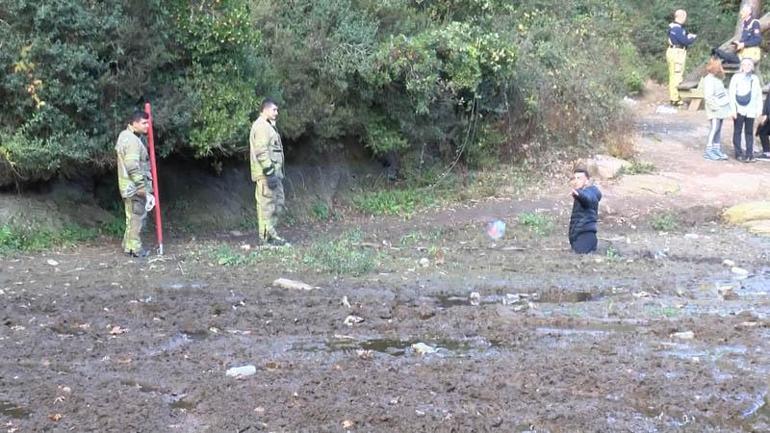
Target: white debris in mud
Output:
[(424, 262), (728, 262), (475, 298), (242, 371), (285, 283), (353, 320), (691, 236), (739, 271), (423, 349), (686, 335), (52, 262), (665, 109)]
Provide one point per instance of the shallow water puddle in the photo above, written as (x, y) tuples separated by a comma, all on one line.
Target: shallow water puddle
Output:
[(179, 340), (399, 347), (13, 410), (554, 296)]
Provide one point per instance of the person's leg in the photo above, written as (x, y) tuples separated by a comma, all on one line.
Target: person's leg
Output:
[(265, 209), (718, 140), (135, 215), (737, 128), (585, 243), (748, 133), (710, 142), (675, 57)]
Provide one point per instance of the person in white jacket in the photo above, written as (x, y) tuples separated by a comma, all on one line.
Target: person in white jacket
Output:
[(745, 94), (717, 108)]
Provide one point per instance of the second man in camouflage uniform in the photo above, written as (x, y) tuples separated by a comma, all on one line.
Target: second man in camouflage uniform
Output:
[(266, 151)]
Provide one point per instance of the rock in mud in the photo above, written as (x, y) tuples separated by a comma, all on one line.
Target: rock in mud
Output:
[(243, 371), (423, 349), (605, 167), (285, 283), (424, 262)]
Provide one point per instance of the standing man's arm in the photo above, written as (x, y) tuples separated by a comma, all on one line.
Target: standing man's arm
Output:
[(587, 197), (132, 160), (259, 143)]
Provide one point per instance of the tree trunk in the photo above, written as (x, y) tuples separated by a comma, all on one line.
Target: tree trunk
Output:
[(693, 78)]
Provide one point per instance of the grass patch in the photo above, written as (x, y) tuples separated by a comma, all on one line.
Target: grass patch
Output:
[(401, 202), (539, 224), (665, 222), (15, 238), (343, 256)]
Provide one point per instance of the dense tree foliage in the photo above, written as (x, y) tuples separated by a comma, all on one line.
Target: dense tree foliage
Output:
[(455, 78)]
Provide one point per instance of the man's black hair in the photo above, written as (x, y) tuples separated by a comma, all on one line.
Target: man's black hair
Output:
[(267, 103), (584, 171), (138, 115)]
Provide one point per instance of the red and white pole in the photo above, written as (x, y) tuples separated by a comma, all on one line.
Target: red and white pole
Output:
[(156, 190)]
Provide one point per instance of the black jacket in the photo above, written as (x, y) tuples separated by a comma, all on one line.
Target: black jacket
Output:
[(585, 211)]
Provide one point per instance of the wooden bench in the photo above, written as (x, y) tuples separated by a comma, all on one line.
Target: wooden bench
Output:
[(692, 91)]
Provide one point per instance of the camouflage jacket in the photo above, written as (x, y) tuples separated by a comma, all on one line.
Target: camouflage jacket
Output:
[(266, 149), (133, 164)]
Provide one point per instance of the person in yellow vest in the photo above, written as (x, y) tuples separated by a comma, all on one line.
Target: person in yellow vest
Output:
[(751, 37), (676, 54), (266, 155), (134, 181)]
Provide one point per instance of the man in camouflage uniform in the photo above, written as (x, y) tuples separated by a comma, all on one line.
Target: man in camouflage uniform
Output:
[(266, 155), (134, 181)]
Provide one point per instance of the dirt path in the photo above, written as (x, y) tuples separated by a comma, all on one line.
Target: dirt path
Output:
[(654, 334)]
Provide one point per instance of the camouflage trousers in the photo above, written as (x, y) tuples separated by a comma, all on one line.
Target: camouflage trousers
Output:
[(270, 204), (135, 217)]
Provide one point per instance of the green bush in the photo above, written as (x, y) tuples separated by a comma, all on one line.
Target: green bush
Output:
[(459, 80)]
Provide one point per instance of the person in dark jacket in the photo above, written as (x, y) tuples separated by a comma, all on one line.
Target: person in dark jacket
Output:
[(763, 132), (585, 213)]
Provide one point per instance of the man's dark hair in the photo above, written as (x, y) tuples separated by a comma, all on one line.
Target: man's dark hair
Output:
[(137, 116), (584, 171), (268, 102)]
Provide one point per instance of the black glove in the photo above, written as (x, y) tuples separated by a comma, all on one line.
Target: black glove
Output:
[(272, 181)]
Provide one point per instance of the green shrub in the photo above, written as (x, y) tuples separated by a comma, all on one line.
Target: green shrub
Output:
[(664, 222), (33, 238)]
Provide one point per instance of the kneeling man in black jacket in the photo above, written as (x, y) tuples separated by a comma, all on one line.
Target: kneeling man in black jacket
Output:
[(585, 213)]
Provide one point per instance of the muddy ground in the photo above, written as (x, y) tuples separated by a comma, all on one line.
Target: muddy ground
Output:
[(654, 333)]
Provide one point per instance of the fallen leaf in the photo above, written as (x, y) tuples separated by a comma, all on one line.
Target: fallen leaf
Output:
[(348, 424), (55, 417)]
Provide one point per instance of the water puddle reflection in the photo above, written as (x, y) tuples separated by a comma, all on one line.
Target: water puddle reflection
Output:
[(13, 410)]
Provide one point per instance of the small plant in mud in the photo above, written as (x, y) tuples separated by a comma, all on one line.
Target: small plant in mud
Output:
[(343, 256), (638, 167), (613, 255), (665, 222), (539, 224), (320, 211)]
